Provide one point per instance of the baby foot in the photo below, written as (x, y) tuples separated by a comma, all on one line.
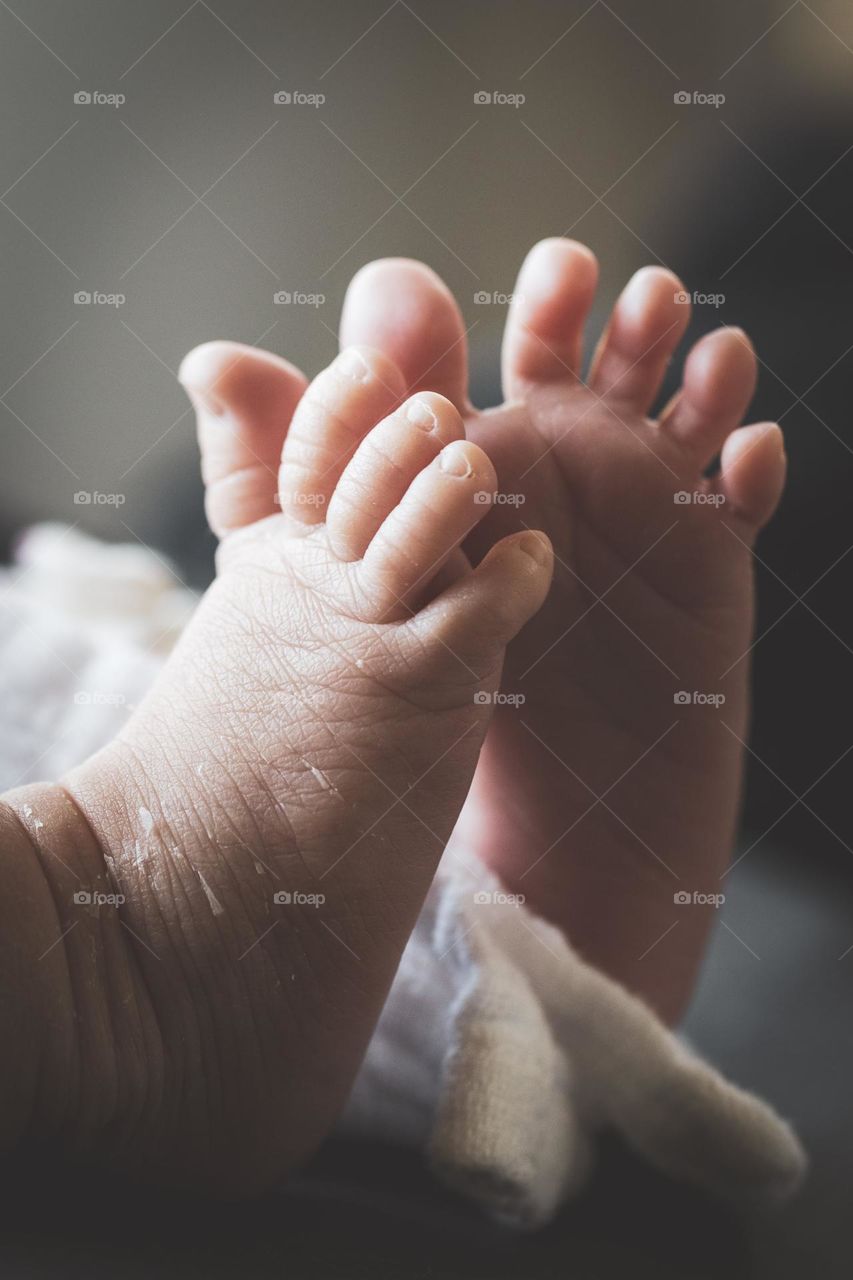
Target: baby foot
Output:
[(604, 796), (273, 814)]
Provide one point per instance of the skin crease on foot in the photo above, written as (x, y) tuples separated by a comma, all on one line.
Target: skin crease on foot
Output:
[(249, 818), (602, 797)]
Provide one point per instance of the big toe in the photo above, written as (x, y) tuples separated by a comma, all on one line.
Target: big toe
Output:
[(402, 308), (244, 400)]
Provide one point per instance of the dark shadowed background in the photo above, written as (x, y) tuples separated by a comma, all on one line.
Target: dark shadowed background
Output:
[(183, 210)]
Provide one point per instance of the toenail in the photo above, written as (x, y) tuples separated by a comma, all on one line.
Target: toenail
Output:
[(352, 364), (421, 415), (638, 291), (454, 461), (532, 545)]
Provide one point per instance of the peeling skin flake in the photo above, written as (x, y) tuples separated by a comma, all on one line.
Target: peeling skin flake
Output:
[(215, 905), (141, 853), (27, 811), (320, 777)]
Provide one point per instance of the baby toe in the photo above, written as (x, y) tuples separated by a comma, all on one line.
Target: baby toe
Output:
[(340, 406), (244, 400), (719, 382), (384, 465), (474, 618), (648, 322), (438, 510), (543, 339), (401, 307), (752, 472)]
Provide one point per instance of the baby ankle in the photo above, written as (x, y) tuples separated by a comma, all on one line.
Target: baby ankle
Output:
[(90, 1031)]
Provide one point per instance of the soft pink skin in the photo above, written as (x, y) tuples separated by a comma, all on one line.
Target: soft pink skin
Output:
[(599, 477), (314, 732)]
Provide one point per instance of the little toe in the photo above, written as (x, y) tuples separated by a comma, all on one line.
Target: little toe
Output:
[(543, 340), (244, 400), (439, 509), (384, 465), (719, 382), (483, 610), (648, 322), (340, 406), (752, 472), (401, 307)]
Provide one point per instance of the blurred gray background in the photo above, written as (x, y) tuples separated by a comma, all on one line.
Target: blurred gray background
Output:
[(199, 198)]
